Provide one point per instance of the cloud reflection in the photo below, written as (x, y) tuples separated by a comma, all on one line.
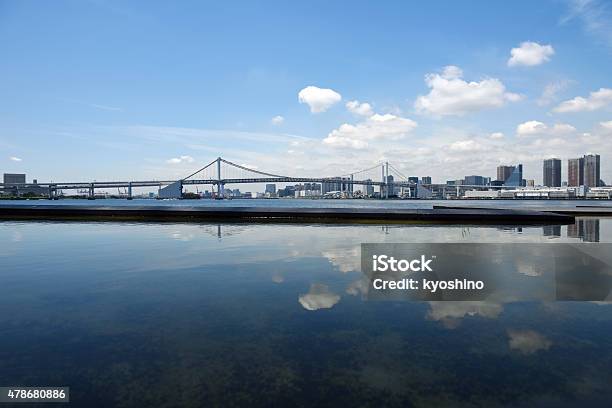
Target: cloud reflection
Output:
[(527, 341), (318, 297), (451, 313)]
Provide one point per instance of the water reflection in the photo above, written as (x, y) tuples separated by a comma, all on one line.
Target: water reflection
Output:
[(264, 315), (584, 229)]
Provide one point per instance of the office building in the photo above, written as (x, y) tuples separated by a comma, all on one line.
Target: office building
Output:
[(504, 172), (391, 186), (552, 173), (476, 180), (515, 176), (591, 170), (414, 180), (271, 189), (575, 172), (10, 178), (369, 189), (426, 180)]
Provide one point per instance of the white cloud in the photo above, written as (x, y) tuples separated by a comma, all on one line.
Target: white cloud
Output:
[(277, 120), (551, 90), (318, 297), (319, 99), (15, 159), (527, 341), (606, 125), (357, 108), (496, 136), (181, 159), (466, 146), (595, 16), (451, 95), (376, 127), (530, 53), (537, 128), (596, 100)]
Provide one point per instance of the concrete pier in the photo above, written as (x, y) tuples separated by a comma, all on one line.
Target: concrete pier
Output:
[(290, 215)]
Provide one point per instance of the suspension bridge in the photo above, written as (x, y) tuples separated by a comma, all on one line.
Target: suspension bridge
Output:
[(221, 172)]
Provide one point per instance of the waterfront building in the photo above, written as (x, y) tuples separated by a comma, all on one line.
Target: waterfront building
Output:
[(12, 178), (504, 172), (271, 189), (426, 180), (592, 170), (516, 177), (575, 172), (482, 195), (551, 175), (391, 186), (369, 189), (530, 183), (414, 180), (476, 180)]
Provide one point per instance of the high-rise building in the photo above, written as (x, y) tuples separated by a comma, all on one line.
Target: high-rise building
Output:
[(270, 189), (426, 180), (414, 180), (10, 178), (369, 189), (503, 172), (515, 177), (552, 173), (390, 185), (591, 170), (575, 172)]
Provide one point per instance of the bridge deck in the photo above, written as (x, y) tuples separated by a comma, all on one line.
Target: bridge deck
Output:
[(292, 215)]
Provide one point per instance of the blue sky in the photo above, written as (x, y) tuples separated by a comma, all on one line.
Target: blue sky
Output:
[(121, 89)]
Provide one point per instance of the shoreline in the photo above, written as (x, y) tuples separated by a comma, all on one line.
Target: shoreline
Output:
[(283, 215)]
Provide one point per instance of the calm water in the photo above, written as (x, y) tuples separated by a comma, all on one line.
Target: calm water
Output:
[(274, 315)]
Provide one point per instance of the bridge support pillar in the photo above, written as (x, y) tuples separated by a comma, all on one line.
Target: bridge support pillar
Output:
[(91, 192), (129, 197)]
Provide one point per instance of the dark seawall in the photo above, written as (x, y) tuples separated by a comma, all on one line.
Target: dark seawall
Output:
[(289, 215)]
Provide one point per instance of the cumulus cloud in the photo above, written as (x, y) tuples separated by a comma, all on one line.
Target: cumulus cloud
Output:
[(596, 100), (318, 297), (452, 95), (537, 128), (319, 99), (361, 109), (376, 127), (529, 54), (527, 341), (496, 136), (180, 159), (15, 159), (277, 120)]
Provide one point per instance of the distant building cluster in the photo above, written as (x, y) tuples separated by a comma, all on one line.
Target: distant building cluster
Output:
[(583, 181)]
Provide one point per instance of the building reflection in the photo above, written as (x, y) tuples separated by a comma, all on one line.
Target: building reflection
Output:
[(551, 230), (584, 229)]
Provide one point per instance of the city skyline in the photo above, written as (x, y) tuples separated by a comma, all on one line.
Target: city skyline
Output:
[(154, 94)]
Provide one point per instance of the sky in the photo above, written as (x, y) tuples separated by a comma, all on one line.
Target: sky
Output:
[(132, 90)]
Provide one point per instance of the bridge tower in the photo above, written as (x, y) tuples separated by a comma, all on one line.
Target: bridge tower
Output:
[(220, 187)]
